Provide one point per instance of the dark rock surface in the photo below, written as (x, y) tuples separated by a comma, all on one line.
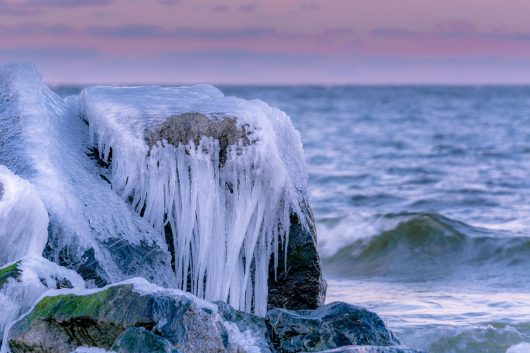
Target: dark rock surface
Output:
[(60, 324), (300, 285), (139, 340), (331, 326), (373, 349)]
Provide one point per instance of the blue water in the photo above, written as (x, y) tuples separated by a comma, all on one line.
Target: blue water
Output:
[(422, 201)]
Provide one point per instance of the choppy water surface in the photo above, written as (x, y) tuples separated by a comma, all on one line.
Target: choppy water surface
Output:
[(422, 200)]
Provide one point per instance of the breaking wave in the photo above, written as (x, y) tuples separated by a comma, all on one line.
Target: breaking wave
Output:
[(426, 246)]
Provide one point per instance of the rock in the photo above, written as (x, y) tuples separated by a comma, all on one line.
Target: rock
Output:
[(139, 340), (300, 285), (62, 323), (183, 128), (331, 326), (22, 282), (373, 349), (244, 328)]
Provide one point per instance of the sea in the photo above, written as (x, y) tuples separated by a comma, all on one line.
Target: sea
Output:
[(421, 196)]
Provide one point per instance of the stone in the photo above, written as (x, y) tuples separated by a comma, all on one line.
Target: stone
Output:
[(300, 284), (331, 326), (140, 340)]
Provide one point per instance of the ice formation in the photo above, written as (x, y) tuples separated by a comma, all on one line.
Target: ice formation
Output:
[(46, 142), (227, 204), (212, 179), (30, 277), (23, 218)]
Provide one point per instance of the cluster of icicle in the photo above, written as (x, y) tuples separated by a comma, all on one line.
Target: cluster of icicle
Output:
[(227, 220)]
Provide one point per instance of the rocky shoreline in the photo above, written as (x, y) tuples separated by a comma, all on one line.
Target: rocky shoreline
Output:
[(136, 316)]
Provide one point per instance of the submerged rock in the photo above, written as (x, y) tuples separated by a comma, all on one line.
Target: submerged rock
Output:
[(331, 326)]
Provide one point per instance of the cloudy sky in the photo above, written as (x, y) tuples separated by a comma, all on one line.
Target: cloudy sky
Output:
[(270, 41)]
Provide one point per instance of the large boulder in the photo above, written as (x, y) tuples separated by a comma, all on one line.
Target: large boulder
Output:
[(171, 321), (334, 325)]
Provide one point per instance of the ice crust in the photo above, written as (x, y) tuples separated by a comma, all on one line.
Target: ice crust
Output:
[(23, 218), (47, 143), (226, 219)]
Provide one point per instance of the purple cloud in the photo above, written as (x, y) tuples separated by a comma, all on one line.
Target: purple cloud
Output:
[(36, 7), (247, 8), (221, 8)]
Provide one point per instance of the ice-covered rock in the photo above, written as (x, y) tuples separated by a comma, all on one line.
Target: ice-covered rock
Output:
[(184, 187), (24, 281), (91, 229), (23, 218), (221, 176)]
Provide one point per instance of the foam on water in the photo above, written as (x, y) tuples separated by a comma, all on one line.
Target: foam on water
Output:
[(227, 217)]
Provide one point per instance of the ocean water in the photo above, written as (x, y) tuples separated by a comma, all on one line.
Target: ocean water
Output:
[(422, 202)]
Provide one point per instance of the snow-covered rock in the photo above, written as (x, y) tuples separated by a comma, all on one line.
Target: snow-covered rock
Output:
[(23, 218), (91, 229)]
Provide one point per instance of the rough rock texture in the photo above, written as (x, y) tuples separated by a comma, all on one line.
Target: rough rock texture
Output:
[(62, 323), (139, 340), (300, 285), (183, 128), (331, 326), (373, 349)]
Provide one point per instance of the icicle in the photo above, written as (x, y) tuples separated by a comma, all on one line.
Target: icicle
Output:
[(228, 217)]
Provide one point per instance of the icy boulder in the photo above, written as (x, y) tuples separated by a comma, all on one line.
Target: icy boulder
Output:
[(91, 229), (135, 316), (222, 177), (23, 218), (24, 281)]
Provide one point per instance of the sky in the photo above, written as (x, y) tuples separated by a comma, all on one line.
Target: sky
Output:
[(270, 41)]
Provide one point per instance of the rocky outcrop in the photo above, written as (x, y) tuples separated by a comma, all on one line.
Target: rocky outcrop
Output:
[(331, 326), (137, 317)]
